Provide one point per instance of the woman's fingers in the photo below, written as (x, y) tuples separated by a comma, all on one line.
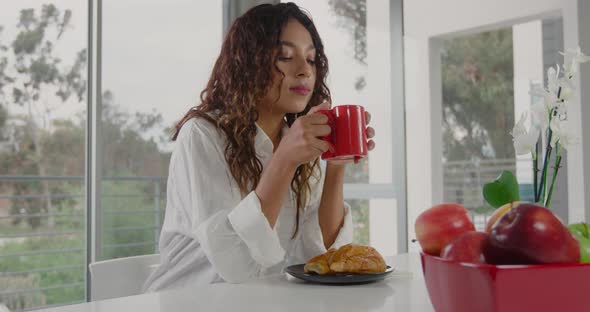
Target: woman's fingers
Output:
[(317, 119), (323, 106), (371, 145), (367, 117), (320, 130), (320, 145), (370, 132)]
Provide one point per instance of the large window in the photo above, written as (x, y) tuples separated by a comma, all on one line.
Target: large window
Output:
[(42, 147), (148, 62), (148, 83)]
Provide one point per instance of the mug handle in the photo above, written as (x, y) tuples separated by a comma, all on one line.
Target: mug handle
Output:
[(330, 137)]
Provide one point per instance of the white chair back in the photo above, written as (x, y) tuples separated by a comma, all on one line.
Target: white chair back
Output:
[(120, 277)]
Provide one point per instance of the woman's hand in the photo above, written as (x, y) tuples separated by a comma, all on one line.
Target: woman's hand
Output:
[(370, 132), (370, 143), (303, 142)]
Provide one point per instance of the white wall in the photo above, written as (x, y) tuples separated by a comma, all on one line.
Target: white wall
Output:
[(425, 23), (574, 165)]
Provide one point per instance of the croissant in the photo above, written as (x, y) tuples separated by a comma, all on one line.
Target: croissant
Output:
[(320, 264), (357, 259), (347, 259)]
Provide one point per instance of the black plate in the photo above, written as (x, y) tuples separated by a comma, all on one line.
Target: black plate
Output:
[(338, 278)]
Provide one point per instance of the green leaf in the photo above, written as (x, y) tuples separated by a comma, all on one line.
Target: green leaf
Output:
[(502, 190)]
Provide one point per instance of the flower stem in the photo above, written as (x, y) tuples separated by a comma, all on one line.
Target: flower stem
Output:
[(557, 163), (540, 195), (536, 170), (541, 192)]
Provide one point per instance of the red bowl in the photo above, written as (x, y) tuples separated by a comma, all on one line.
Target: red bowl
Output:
[(468, 287)]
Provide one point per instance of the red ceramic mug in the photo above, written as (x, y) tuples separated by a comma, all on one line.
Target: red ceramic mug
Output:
[(348, 138)]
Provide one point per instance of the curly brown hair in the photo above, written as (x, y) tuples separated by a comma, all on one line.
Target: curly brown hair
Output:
[(241, 77)]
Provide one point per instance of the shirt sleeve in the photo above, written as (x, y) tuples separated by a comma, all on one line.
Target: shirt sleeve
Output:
[(237, 239), (311, 241)]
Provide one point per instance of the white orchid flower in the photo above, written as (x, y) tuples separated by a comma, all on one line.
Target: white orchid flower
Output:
[(524, 141), (567, 139), (566, 92), (519, 128), (570, 68), (553, 79), (549, 99), (564, 88), (575, 57), (540, 116), (538, 90), (561, 134), (556, 94), (558, 88), (560, 111)]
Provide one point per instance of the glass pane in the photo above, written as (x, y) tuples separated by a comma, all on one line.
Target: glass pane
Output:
[(487, 79), (153, 69), (42, 148), (360, 219), (359, 71), (374, 223)]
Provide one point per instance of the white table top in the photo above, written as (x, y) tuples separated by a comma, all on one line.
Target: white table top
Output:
[(403, 291)]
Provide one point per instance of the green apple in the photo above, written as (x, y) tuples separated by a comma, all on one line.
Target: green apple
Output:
[(581, 232)]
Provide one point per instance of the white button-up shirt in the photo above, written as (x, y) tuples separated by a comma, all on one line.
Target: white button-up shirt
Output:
[(211, 233)]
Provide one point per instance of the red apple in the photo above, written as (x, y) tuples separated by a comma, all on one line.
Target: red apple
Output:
[(498, 213), (468, 247), (439, 225), (531, 234)]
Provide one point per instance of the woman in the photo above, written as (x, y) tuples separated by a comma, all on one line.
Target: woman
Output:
[(246, 194)]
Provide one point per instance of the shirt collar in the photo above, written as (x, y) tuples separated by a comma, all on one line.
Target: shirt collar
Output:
[(263, 143)]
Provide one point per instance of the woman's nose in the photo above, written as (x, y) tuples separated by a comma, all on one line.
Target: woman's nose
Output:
[(304, 69)]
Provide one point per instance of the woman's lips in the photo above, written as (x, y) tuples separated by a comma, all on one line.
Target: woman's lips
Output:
[(301, 90)]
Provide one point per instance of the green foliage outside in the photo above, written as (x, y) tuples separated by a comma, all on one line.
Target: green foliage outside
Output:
[(32, 80), (29, 72), (117, 229), (478, 114), (131, 220), (21, 301), (478, 96), (39, 146), (72, 276)]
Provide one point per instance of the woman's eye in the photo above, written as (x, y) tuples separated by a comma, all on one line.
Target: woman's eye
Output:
[(311, 62), (284, 58)]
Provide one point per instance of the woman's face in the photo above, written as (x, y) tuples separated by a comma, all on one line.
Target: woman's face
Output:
[(296, 60)]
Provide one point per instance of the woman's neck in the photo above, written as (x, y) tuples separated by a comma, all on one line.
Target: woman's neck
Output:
[(272, 126)]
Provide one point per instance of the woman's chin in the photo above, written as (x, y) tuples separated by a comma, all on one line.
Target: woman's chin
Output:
[(299, 106), (294, 106)]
